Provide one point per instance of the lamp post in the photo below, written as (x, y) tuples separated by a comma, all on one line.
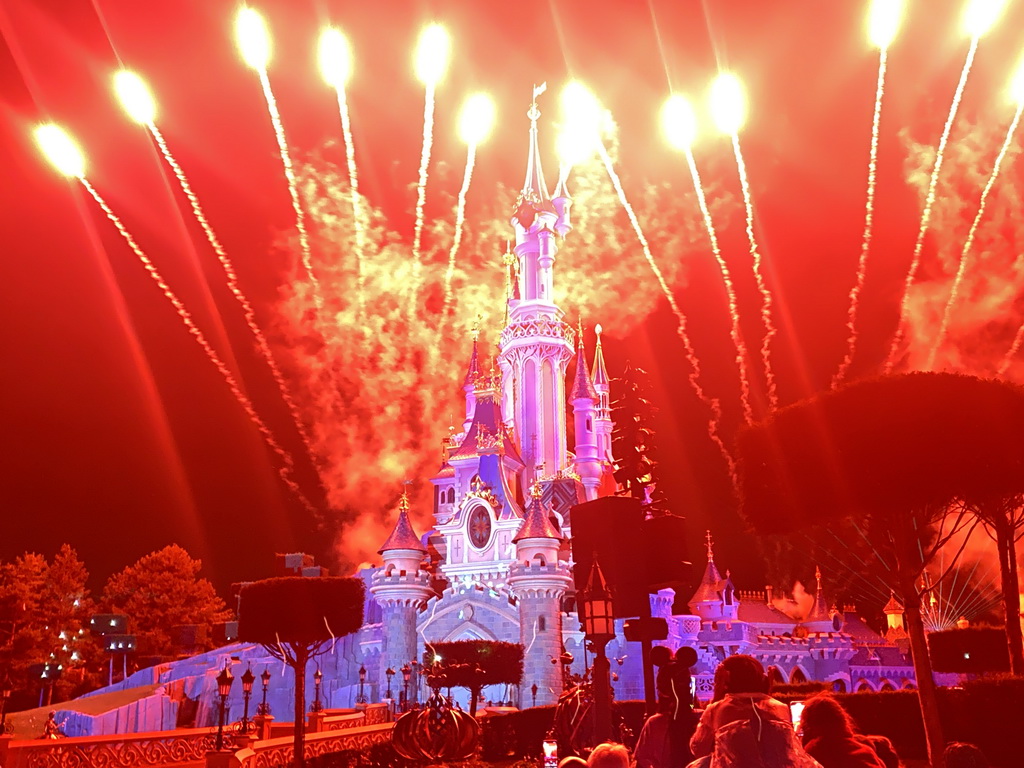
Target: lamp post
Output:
[(248, 678), (406, 672), (390, 673), (415, 665), (5, 694), (318, 678), (533, 692), (264, 708), (599, 628), (224, 681), (361, 698)]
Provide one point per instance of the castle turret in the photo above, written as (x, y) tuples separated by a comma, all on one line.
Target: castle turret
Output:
[(819, 618), (401, 587), (536, 345), (563, 204), (584, 397), (602, 385), (715, 598), (539, 580)]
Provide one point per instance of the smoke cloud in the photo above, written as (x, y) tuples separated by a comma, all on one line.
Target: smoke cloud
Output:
[(988, 312)]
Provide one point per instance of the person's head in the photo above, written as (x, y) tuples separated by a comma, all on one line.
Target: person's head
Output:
[(660, 655), (883, 748), (961, 755), (572, 761), (609, 755), (686, 656), (824, 717), (741, 674)]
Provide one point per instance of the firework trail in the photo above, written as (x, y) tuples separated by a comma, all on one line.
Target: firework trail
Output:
[(460, 219), (288, 464), (293, 188), (714, 423), (421, 189), (962, 267), (232, 282), (353, 185), (762, 286), (869, 217), (734, 313), (927, 213)]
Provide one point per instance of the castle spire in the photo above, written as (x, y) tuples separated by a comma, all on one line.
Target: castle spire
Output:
[(535, 189), (582, 387), (600, 371), (537, 522)]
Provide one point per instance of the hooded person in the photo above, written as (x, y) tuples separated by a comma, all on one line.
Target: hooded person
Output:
[(829, 736)]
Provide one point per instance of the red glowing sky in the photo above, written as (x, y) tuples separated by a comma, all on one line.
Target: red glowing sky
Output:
[(121, 438)]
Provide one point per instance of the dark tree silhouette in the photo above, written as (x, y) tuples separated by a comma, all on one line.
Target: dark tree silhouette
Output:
[(294, 619), (473, 664), (903, 456), (636, 462)]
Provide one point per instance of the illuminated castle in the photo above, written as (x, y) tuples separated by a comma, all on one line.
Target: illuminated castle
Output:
[(496, 565)]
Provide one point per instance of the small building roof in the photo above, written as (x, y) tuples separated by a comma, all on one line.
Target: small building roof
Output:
[(403, 536), (538, 523)]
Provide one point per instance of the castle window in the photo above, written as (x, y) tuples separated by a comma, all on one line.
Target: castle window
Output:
[(542, 624), (451, 495), (539, 559), (590, 425)]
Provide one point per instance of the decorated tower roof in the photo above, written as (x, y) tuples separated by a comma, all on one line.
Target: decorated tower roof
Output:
[(582, 386), (601, 378), (487, 433), (894, 605), (473, 373), (820, 611), (538, 523), (712, 585), (403, 536)]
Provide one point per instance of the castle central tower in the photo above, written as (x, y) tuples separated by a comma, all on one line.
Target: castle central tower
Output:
[(536, 344)]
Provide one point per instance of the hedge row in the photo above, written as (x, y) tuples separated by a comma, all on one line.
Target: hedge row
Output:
[(985, 712)]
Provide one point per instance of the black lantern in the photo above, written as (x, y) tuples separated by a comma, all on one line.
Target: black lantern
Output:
[(318, 679), (598, 617), (361, 698), (533, 692), (264, 708), (390, 673), (248, 678), (224, 681), (406, 674), (414, 676)]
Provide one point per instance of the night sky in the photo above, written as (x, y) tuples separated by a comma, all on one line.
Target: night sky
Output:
[(120, 438)]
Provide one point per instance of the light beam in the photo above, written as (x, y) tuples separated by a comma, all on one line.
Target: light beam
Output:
[(62, 151), (135, 97), (253, 38)]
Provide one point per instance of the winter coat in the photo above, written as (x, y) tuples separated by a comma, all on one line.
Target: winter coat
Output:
[(843, 752)]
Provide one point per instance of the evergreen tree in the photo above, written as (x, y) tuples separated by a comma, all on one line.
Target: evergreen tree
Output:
[(160, 591), (633, 443)]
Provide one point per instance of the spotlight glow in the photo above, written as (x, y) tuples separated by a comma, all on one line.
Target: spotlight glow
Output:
[(253, 38), (61, 150), (477, 118), (1017, 84), (135, 97), (432, 53), (581, 124), (981, 15), (728, 103), (884, 22), (335, 54), (679, 122)]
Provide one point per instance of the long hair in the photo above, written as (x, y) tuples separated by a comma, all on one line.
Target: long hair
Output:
[(824, 716)]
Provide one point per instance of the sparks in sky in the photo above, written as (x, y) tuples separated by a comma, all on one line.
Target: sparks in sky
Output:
[(979, 17), (63, 153), (680, 125), (138, 101), (254, 43), (475, 123), (729, 111), (883, 24), (432, 53), (335, 53)]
